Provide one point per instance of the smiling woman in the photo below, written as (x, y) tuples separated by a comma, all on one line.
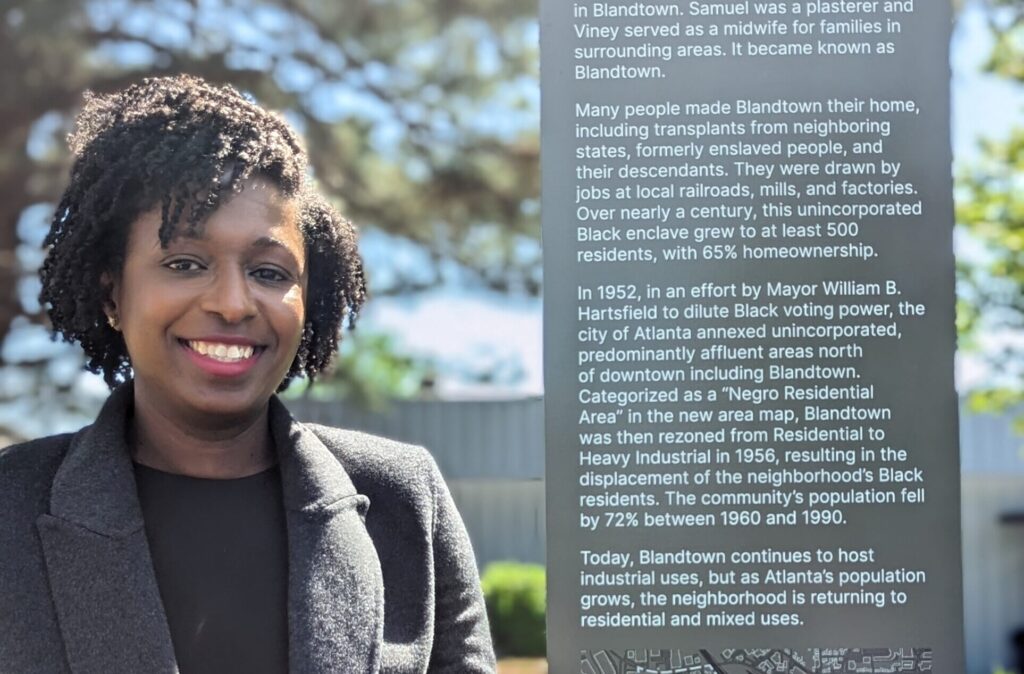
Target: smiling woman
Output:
[(223, 309), (196, 526)]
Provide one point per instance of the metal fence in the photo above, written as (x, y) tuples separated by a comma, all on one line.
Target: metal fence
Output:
[(492, 454)]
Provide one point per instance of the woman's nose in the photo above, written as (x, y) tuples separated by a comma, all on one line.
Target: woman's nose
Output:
[(230, 297)]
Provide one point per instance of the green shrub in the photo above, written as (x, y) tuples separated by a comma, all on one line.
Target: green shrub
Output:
[(514, 593)]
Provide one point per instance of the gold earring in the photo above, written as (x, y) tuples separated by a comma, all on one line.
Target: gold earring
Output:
[(113, 322)]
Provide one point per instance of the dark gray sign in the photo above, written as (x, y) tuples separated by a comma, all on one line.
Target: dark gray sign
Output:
[(752, 457)]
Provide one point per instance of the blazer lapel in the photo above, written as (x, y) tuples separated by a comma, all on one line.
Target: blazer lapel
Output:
[(335, 587), (101, 575)]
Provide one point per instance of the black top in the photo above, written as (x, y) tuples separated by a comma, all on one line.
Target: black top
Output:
[(220, 553)]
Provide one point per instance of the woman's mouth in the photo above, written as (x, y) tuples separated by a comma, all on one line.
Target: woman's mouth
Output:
[(220, 359), (223, 353)]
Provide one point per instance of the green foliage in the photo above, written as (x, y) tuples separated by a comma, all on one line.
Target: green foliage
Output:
[(421, 118), (1006, 21), (990, 207), (990, 210), (421, 121), (515, 596), (370, 371)]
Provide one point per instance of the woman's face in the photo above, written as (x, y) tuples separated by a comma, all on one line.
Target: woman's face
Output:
[(212, 322)]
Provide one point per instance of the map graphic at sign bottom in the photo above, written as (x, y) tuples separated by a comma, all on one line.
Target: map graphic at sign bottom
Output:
[(757, 661)]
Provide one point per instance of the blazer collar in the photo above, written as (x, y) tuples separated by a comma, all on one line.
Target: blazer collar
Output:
[(312, 477), (95, 485), (94, 488), (102, 574)]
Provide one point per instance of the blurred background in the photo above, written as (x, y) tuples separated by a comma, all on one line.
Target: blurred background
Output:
[(422, 121)]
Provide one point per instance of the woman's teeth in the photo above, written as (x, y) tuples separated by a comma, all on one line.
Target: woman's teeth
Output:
[(227, 353)]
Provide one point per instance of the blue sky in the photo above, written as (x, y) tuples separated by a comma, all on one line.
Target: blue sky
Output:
[(453, 325), (473, 331), (982, 104)]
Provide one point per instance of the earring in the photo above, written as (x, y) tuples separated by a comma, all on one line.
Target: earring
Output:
[(113, 322)]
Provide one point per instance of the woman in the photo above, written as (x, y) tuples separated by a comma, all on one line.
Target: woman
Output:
[(196, 526)]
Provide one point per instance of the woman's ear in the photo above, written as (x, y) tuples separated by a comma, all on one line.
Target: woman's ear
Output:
[(110, 291)]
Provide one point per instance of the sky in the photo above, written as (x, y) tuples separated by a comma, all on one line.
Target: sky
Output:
[(983, 105), (457, 325), (467, 332)]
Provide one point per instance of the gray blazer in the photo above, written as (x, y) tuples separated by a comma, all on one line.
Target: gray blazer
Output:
[(381, 576)]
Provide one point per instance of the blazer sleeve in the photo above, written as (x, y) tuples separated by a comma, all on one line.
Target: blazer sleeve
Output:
[(462, 638)]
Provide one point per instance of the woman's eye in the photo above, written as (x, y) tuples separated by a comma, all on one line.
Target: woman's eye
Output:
[(269, 274), (183, 265)]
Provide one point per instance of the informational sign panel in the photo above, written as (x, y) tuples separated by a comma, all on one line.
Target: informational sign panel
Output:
[(752, 459)]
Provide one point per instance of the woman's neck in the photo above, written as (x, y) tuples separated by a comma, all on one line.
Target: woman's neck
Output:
[(237, 449)]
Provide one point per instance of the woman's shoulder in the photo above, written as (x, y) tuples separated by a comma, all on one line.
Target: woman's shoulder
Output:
[(372, 459), (32, 461), (367, 452), (27, 470)]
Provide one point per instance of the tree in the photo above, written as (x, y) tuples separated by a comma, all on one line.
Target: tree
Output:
[(990, 209), (421, 118)]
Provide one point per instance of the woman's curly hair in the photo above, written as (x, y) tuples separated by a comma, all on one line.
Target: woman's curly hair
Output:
[(185, 146)]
